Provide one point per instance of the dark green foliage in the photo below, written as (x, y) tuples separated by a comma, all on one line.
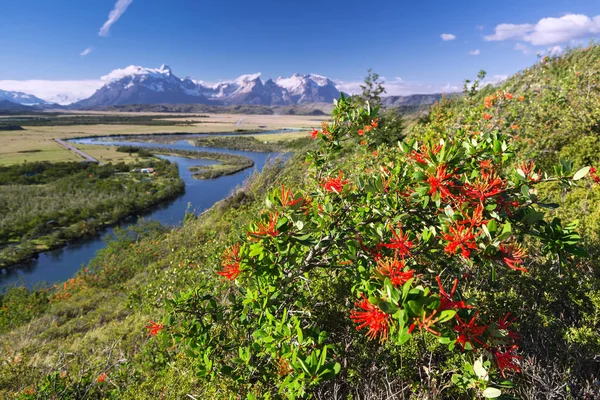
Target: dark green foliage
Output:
[(44, 205)]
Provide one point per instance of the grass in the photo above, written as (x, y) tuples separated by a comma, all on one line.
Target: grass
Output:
[(42, 137)]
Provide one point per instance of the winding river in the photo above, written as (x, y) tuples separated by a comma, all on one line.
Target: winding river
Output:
[(61, 264)]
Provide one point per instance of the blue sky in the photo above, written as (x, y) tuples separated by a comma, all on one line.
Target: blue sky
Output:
[(216, 40)]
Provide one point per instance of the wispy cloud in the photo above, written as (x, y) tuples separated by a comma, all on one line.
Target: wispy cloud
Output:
[(549, 31), (86, 51), (475, 52), (115, 14), (447, 36)]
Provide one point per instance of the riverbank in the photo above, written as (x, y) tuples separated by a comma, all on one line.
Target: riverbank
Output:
[(227, 164), (55, 204)]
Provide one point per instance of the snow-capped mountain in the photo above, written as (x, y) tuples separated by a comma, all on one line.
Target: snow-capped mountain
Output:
[(20, 98), (309, 88), (139, 85)]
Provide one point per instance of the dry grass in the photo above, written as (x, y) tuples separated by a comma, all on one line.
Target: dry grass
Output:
[(41, 138)]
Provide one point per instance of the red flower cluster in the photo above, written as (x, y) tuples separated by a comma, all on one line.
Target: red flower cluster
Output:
[(441, 182), (400, 242), (507, 360), (469, 332), (513, 255), (446, 302), (266, 228), (395, 270), (484, 187), (460, 236), (372, 317), (231, 262), (287, 198), (335, 184), (153, 328)]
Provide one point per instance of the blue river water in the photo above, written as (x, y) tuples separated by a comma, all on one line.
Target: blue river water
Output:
[(61, 264)]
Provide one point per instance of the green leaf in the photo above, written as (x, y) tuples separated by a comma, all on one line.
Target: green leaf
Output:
[(388, 308), (446, 315), (492, 226), (491, 393), (581, 173)]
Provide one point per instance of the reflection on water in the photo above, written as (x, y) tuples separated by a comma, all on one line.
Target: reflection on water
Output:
[(61, 264)]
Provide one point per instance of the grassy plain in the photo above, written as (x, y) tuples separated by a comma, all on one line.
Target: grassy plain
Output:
[(36, 143)]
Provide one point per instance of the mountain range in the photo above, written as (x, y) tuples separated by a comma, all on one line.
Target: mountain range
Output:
[(20, 98), (139, 85)]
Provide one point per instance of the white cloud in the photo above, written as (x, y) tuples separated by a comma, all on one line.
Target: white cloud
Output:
[(549, 31), (86, 51), (522, 48), (115, 14), (510, 31), (447, 36), (555, 50), (61, 92), (475, 52), (400, 87)]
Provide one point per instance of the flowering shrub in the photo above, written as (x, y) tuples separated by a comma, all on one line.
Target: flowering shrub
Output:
[(408, 231)]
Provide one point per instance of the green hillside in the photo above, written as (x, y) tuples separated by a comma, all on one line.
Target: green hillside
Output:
[(446, 266)]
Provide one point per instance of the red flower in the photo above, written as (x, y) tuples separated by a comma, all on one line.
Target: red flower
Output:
[(513, 255), (476, 220), (530, 172), (372, 317), (486, 186), (504, 324), (460, 236), (400, 242), (266, 229), (361, 132), (507, 360), (394, 269), (375, 123), (487, 116), (469, 332), (287, 198), (521, 98), (593, 175), (314, 134), (153, 328), (231, 263), (418, 157), (440, 182), (508, 96), (335, 184), (446, 302), (102, 377)]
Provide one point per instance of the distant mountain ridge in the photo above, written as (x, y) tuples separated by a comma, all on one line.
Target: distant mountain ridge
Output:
[(139, 85), (20, 98)]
